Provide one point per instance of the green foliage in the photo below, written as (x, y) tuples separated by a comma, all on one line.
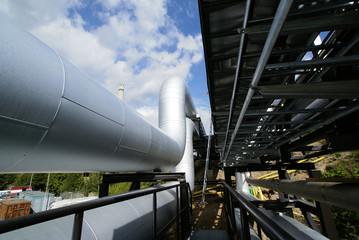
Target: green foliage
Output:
[(39, 180), (22, 180), (65, 182), (145, 184), (55, 183), (73, 182), (345, 168), (347, 221), (117, 188), (91, 183), (59, 182), (6, 180)]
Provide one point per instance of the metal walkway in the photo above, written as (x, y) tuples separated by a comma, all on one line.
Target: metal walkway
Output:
[(208, 235)]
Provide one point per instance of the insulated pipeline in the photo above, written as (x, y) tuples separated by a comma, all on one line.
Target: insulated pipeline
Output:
[(55, 118), (186, 165)]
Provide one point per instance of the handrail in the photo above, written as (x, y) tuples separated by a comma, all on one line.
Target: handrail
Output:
[(78, 209), (269, 227)]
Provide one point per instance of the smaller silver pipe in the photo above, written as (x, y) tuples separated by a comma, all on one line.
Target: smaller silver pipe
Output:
[(174, 105), (241, 183), (278, 21), (207, 164), (340, 194), (240, 52), (45, 204), (186, 164)]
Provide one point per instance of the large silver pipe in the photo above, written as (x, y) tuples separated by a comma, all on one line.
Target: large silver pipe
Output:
[(186, 164), (175, 104), (55, 118), (50, 123)]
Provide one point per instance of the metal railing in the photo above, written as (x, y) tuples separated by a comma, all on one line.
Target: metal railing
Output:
[(264, 223), (182, 212)]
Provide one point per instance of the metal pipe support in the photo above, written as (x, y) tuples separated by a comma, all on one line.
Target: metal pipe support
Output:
[(335, 193)]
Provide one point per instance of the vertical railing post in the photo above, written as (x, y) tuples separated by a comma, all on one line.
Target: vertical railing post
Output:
[(226, 206), (154, 201), (178, 214), (103, 191), (77, 227), (229, 208), (184, 210), (259, 230), (244, 224), (231, 215)]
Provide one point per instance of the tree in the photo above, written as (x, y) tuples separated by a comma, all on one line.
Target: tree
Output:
[(6, 180)]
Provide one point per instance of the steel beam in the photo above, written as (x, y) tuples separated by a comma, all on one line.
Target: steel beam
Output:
[(325, 90), (285, 112), (264, 123), (340, 194), (257, 151), (340, 53), (270, 167), (277, 52), (280, 16), (311, 24), (333, 61), (239, 62), (327, 121)]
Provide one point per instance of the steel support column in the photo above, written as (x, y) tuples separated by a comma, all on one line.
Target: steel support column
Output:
[(325, 213)]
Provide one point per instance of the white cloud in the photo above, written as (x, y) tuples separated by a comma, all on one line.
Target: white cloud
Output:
[(150, 114), (79, 47), (34, 13), (134, 42)]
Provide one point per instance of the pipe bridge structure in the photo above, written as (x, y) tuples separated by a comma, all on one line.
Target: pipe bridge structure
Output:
[(283, 84)]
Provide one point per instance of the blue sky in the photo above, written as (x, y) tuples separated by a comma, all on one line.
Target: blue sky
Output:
[(136, 42)]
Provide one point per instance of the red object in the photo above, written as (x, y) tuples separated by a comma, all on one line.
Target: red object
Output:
[(17, 190)]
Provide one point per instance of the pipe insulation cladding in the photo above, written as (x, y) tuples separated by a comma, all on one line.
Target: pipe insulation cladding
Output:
[(130, 219), (186, 164), (54, 118)]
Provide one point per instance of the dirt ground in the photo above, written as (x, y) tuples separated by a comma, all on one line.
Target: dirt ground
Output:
[(211, 215)]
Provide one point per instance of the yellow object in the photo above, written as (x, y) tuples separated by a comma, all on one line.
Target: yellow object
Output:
[(208, 193), (317, 220), (257, 192), (210, 188), (261, 196), (275, 173)]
